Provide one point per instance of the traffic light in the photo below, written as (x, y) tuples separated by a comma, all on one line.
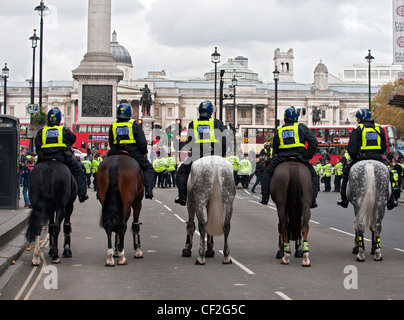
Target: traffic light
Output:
[(178, 121), (140, 122)]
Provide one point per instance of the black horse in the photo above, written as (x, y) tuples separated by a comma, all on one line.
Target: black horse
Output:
[(52, 190)]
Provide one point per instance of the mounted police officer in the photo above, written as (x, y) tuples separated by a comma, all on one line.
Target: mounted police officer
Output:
[(366, 142), (54, 141), (125, 134), (289, 141), (204, 138)]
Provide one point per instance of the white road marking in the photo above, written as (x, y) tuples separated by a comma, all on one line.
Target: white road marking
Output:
[(239, 264), (282, 295)]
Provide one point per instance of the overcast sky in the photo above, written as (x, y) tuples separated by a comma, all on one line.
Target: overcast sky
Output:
[(179, 36)]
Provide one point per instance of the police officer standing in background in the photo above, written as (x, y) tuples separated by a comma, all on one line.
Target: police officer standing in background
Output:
[(126, 134), (54, 141), (203, 139)]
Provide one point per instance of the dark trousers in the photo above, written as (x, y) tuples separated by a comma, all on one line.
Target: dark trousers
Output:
[(182, 177), (257, 182), (337, 183), (327, 183)]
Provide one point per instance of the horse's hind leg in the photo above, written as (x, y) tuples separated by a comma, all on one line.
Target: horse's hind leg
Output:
[(67, 229), (359, 246), (202, 230), (110, 260), (305, 231), (376, 247), (210, 253), (226, 249), (188, 242), (120, 247), (136, 230)]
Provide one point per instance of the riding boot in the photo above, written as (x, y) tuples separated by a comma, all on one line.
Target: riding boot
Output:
[(267, 192), (81, 180), (181, 199)]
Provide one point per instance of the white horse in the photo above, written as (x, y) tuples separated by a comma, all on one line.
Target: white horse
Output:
[(211, 192), (368, 190)]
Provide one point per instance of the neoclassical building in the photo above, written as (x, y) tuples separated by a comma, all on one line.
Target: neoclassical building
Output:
[(254, 100)]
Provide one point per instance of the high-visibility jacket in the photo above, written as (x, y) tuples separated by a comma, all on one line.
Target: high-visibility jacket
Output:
[(52, 137), (234, 162), (125, 132), (159, 165), (289, 137), (318, 167), (94, 166), (338, 169), (371, 139), (87, 165), (244, 167), (327, 170), (171, 163), (205, 127)]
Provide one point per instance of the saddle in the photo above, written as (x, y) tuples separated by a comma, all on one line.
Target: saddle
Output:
[(292, 159), (123, 153)]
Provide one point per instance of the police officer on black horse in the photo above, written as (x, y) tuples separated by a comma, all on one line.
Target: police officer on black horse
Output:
[(366, 142), (54, 141), (204, 138), (289, 141), (125, 134)]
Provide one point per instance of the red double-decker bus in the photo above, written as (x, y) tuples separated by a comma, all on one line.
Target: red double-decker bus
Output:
[(91, 135), (335, 139)]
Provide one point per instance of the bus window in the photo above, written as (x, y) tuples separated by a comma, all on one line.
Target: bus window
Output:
[(83, 145), (96, 128), (321, 133), (342, 133)]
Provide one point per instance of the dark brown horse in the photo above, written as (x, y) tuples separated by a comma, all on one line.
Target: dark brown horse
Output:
[(292, 193), (120, 188)]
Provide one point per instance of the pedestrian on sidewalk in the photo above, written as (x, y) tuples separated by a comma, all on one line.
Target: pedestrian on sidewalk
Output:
[(25, 175)]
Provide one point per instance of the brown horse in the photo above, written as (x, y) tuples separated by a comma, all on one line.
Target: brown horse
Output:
[(120, 188), (292, 193)]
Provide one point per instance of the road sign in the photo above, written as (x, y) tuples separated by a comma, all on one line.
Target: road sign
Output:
[(33, 108)]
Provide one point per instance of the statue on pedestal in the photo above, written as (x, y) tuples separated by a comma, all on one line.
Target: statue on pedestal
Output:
[(146, 101), (316, 115)]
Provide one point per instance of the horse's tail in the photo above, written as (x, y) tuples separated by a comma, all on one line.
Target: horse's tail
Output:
[(366, 211), (214, 224), (112, 211), (41, 200), (294, 204)]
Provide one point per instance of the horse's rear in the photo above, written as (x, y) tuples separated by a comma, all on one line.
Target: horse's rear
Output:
[(292, 193), (368, 190), (211, 193), (52, 190), (120, 189)]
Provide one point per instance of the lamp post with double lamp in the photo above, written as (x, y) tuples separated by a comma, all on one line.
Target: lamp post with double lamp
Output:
[(5, 72), (41, 9), (216, 59), (276, 79), (369, 58)]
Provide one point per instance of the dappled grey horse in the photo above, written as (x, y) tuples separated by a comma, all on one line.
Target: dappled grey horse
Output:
[(211, 192), (368, 190)]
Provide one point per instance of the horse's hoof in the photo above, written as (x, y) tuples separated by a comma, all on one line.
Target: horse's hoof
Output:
[(227, 261), (306, 265), (108, 264), (56, 261), (280, 254), (36, 263), (186, 253), (138, 255), (284, 262), (209, 253), (360, 260), (199, 262), (298, 254), (67, 254), (355, 250), (123, 263)]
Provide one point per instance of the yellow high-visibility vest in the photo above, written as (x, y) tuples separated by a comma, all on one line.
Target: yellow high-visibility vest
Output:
[(289, 137), (52, 137), (123, 129)]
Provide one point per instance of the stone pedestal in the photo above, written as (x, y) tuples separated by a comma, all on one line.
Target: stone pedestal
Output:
[(98, 74), (148, 128)]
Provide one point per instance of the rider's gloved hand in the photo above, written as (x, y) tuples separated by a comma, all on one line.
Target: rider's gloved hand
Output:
[(265, 198)]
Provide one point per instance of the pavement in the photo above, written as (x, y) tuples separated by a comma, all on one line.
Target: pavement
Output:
[(13, 224)]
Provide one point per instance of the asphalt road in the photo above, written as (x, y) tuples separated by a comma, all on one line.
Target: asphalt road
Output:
[(255, 274)]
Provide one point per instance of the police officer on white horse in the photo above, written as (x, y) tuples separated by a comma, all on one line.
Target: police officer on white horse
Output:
[(204, 138), (289, 141), (366, 142)]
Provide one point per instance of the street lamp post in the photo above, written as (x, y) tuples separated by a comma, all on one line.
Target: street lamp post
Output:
[(41, 8), (5, 73), (216, 59), (234, 83), (369, 58), (34, 42), (276, 79)]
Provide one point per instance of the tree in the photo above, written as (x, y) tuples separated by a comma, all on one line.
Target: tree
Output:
[(383, 113)]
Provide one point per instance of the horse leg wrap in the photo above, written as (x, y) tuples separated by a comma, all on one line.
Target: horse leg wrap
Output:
[(190, 227), (378, 246), (286, 247), (305, 246), (360, 242), (188, 242), (67, 228)]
